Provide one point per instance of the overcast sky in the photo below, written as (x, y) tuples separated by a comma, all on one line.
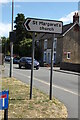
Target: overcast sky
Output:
[(62, 11)]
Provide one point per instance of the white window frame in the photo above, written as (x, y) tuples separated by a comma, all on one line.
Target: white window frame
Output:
[(68, 53)]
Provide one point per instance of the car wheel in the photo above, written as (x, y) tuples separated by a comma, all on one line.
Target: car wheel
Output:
[(26, 66), (37, 68), (19, 66)]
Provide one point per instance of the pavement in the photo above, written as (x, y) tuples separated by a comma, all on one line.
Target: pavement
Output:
[(63, 71)]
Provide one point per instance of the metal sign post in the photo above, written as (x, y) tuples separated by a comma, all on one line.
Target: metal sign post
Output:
[(46, 26), (6, 114), (11, 60), (33, 46), (51, 72), (11, 44)]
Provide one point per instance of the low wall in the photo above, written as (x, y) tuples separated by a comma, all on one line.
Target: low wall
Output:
[(70, 67)]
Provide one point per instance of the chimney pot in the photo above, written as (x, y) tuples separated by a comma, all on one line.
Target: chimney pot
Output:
[(76, 17)]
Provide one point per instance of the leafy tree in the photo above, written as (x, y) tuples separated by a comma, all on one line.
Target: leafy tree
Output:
[(21, 32), (5, 45), (21, 44), (26, 47), (38, 52)]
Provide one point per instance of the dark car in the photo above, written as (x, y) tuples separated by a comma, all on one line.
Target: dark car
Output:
[(27, 63), (16, 60), (7, 58)]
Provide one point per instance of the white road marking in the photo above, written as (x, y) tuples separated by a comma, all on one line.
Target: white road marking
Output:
[(56, 86)]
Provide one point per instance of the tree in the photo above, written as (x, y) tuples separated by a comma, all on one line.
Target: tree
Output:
[(21, 32), (5, 45), (26, 47), (38, 52), (22, 36)]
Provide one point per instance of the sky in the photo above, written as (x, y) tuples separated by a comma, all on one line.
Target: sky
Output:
[(62, 11)]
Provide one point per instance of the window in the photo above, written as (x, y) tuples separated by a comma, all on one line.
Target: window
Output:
[(49, 60), (45, 44), (68, 55), (55, 44), (45, 57), (37, 42)]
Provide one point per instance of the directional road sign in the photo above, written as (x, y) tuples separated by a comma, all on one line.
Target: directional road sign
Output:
[(42, 25), (4, 100)]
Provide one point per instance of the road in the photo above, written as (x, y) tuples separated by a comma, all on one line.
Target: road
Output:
[(65, 86)]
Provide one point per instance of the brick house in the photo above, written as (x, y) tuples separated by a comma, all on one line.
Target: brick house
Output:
[(71, 46), (66, 46), (44, 41)]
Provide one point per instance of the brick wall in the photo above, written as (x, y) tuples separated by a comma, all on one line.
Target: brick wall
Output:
[(70, 67), (71, 44), (59, 50)]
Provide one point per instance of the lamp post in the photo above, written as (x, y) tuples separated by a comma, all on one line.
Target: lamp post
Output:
[(11, 44)]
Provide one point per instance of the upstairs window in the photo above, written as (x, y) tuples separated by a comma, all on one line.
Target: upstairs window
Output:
[(37, 42), (55, 43), (45, 44), (68, 55), (45, 57)]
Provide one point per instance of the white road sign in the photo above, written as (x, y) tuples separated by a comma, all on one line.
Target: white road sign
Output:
[(42, 25)]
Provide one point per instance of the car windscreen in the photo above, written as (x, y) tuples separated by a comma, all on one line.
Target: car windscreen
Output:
[(29, 59)]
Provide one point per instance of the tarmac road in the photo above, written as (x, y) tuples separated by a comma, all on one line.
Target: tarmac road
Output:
[(65, 85)]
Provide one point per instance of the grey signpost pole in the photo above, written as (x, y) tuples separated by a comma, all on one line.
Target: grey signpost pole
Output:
[(51, 72), (39, 25), (33, 45), (11, 45)]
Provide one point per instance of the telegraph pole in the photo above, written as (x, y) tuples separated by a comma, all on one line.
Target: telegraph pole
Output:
[(11, 44)]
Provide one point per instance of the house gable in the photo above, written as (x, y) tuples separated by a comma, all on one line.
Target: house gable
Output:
[(71, 45)]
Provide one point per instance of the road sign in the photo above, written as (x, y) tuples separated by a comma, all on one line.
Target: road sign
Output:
[(42, 25), (4, 95)]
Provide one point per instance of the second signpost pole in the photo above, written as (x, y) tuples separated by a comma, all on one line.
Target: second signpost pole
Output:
[(33, 46), (51, 75)]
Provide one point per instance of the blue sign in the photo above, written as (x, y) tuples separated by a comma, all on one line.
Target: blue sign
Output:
[(4, 95)]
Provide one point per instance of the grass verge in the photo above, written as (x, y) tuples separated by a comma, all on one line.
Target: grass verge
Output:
[(39, 107)]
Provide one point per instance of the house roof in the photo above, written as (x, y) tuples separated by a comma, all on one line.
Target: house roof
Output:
[(66, 29)]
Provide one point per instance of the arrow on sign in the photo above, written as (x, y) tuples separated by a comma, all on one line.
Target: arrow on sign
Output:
[(27, 24), (42, 25)]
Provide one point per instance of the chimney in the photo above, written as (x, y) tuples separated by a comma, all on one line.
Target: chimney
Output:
[(76, 17)]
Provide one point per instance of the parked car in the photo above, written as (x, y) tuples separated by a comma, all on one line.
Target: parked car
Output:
[(27, 62), (16, 60), (7, 58)]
